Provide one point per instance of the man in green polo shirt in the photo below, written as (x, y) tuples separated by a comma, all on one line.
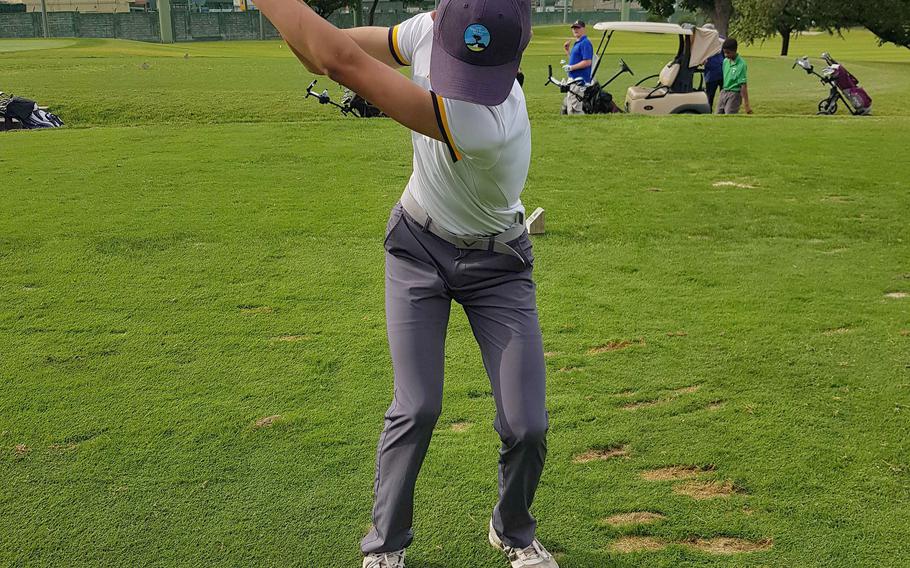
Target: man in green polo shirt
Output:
[(736, 89)]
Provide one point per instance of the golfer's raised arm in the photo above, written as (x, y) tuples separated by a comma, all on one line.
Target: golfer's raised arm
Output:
[(333, 53), (377, 42)]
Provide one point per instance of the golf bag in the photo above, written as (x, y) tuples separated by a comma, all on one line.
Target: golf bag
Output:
[(844, 87), (849, 85), (598, 101), (27, 113), (360, 107)]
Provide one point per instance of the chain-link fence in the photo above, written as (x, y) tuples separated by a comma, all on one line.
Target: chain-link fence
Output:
[(192, 25)]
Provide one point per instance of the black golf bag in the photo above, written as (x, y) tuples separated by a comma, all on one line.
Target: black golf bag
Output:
[(598, 101), (360, 107), (27, 113)]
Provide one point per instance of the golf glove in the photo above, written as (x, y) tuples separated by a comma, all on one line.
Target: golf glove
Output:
[(566, 68)]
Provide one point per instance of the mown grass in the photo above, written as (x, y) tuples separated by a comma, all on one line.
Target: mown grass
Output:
[(208, 254)]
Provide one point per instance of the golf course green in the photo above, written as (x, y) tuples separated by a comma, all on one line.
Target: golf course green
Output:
[(193, 358)]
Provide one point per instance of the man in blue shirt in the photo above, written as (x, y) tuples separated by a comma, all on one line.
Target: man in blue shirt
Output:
[(581, 57), (714, 72)]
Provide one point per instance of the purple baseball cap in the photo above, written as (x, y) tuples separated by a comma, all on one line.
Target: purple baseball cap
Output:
[(477, 47)]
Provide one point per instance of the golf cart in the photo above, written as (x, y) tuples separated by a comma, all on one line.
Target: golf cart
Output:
[(675, 91)]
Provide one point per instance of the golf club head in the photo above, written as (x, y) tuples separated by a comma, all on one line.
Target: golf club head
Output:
[(804, 63), (324, 96)]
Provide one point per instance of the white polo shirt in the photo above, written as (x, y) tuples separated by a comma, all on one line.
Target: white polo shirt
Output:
[(471, 183)]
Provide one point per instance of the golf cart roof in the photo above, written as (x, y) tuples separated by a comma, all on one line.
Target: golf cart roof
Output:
[(705, 42), (644, 27)]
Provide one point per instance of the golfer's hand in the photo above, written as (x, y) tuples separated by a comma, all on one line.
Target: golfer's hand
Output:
[(566, 68), (566, 46)]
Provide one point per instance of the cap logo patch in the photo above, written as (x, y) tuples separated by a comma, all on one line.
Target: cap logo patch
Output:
[(477, 37)]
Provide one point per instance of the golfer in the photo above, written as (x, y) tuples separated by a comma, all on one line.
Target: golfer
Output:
[(456, 234), (581, 57), (735, 91)]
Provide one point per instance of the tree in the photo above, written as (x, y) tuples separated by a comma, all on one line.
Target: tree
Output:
[(887, 19), (718, 11), (759, 19), (372, 12), (326, 8)]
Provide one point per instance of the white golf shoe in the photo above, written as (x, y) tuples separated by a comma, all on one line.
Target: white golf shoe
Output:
[(384, 560), (534, 556)]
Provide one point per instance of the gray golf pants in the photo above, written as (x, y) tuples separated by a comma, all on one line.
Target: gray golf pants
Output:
[(423, 275)]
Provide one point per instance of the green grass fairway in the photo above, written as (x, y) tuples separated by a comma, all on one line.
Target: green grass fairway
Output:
[(201, 249)]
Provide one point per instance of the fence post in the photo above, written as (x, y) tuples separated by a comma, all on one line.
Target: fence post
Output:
[(626, 11), (165, 24), (44, 18)]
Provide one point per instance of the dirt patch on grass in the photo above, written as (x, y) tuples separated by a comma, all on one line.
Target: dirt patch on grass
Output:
[(686, 390), (905, 332), (550, 354), (616, 346), (570, 369), (675, 472), (837, 331), (601, 454), (633, 518), (706, 489), (733, 184), (462, 426), (21, 449), (897, 295), (291, 338), (250, 309), (729, 545), (61, 447), (716, 405), (677, 334), (628, 544), (267, 421)]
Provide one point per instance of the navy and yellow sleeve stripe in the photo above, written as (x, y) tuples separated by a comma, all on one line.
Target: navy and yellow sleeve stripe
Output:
[(394, 48), (443, 121)]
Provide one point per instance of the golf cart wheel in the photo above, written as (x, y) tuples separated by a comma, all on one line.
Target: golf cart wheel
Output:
[(827, 106)]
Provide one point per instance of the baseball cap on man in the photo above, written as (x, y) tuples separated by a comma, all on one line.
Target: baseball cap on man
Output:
[(578, 24), (477, 47)]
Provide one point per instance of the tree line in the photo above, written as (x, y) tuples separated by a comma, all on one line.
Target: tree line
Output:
[(752, 20)]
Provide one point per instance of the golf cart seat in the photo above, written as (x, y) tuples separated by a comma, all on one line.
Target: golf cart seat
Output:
[(666, 79)]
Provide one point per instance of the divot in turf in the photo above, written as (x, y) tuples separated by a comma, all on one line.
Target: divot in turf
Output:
[(701, 490), (726, 545), (601, 454), (628, 544), (633, 518), (461, 426), (267, 421), (676, 472)]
